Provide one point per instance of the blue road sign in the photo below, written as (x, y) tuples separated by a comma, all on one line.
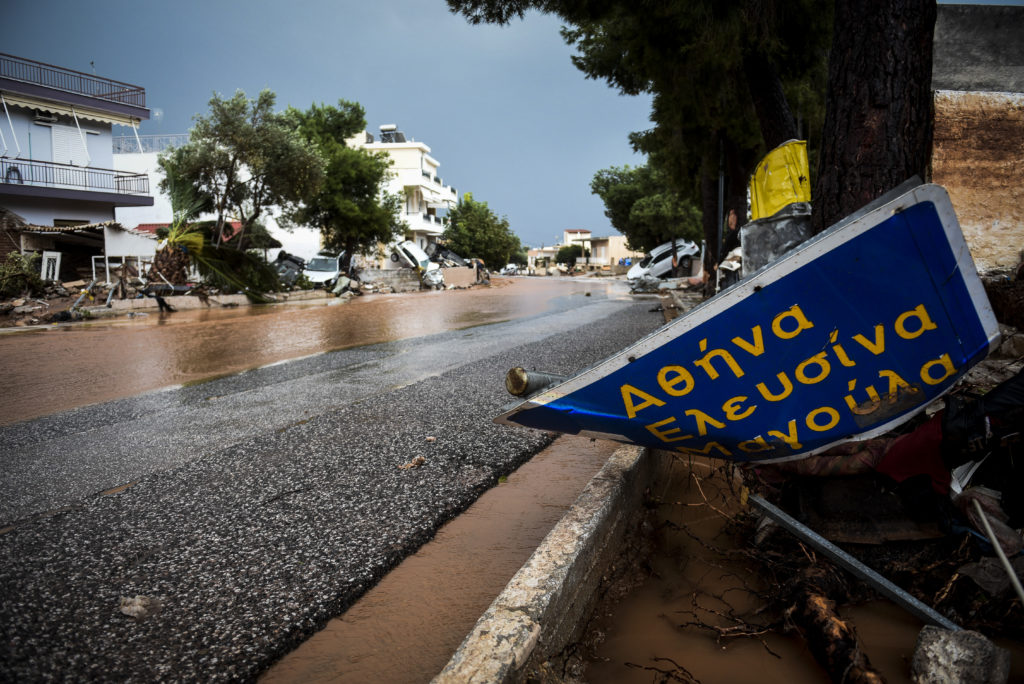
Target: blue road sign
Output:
[(844, 338)]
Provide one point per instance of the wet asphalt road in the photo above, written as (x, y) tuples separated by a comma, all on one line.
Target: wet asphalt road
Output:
[(262, 504)]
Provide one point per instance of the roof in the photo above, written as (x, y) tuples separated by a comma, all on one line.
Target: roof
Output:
[(84, 227)]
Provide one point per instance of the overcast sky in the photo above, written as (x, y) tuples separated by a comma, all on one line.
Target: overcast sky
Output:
[(503, 109)]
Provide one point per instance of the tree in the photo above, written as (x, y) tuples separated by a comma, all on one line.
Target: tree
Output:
[(187, 244), (567, 254), (877, 130), (242, 158), (879, 117), (352, 210), (642, 206), (718, 70), (474, 231)]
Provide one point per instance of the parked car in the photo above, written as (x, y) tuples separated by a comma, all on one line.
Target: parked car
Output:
[(658, 262), (511, 269), (323, 269)]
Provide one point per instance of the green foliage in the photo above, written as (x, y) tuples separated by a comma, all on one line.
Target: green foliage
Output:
[(20, 275), (641, 205), (727, 78), (474, 231), (242, 158), (351, 209), (567, 254), (221, 267)]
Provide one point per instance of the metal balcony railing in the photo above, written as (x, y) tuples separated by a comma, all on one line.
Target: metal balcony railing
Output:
[(59, 78), (53, 175), (127, 144)]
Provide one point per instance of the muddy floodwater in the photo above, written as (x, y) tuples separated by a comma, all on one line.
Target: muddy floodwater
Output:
[(406, 628), (55, 368)]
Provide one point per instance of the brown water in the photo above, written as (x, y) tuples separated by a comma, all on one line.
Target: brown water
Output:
[(406, 628), (695, 579), (64, 366)]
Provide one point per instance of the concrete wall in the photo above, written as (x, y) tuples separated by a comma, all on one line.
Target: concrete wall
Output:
[(461, 276), (160, 212), (43, 212), (399, 280)]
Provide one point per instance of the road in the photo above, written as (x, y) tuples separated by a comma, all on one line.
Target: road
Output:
[(252, 508)]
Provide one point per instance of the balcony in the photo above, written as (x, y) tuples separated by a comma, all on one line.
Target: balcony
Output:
[(68, 81), (425, 222), (50, 179)]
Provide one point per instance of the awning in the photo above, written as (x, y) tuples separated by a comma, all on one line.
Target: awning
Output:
[(66, 110)]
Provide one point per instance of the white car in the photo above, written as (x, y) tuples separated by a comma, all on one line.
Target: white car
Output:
[(511, 269), (409, 253), (323, 269), (658, 262)]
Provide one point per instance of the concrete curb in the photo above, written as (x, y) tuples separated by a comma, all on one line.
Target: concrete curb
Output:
[(548, 601), (119, 307)]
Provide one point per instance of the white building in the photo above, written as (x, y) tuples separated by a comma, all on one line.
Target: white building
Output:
[(426, 198), (138, 155)]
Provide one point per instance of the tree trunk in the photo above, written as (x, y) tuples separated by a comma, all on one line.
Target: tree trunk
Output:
[(878, 108), (773, 113)]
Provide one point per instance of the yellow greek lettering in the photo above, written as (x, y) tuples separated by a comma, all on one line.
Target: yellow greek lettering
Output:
[(752, 446), (943, 362), (869, 406), (824, 368), (878, 345), (732, 409), (787, 388), (663, 435), (896, 383), (628, 392), (789, 437), (797, 314), (923, 320), (668, 382), (706, 364), (754, 349), (703, 420), (840, 352), (833, 418)]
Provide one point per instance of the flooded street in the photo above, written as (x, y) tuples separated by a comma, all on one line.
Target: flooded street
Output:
[(406, 628), (254, 508), (60, 367)]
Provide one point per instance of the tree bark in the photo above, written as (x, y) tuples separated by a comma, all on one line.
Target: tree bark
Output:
[(770, 104), (878, 107), (831, 640)]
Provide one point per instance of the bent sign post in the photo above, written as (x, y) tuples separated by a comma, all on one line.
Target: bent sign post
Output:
[(844, 338)]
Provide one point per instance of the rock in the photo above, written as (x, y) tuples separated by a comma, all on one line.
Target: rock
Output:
[(6, 307), (1012, 346), (140, 607), (20, 309), (965, 657), (18, 302)]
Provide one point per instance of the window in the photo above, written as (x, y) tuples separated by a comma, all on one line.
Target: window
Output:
[(67, 146)]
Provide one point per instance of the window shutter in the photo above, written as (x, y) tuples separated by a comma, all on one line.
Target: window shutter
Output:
[(68, 147)]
